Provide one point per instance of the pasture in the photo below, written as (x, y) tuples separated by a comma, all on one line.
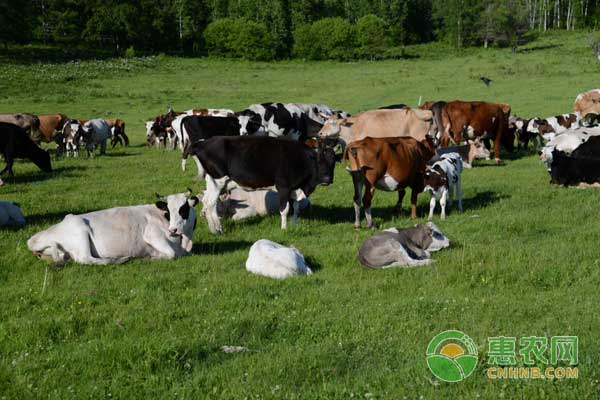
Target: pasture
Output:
[(524, 259)]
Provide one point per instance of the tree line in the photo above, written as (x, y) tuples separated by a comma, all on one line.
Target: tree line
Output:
[(276, 29)]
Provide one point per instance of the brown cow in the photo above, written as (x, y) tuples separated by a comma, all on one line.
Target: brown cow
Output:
[(462, 120), (587, 103), (389, 164), (117, 132), (51, 127), (381, 123)]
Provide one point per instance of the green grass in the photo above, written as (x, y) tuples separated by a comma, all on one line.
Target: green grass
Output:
[(524, 258)]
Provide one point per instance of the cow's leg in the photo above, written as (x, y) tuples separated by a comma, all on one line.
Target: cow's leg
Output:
[(398, 207), (9, 164), (284, 205), (367, 199), (201, 172), (297, 195), (432, 202), (103, 147), (214, 187), (357, 180), (442, 203), (163, 248), (497, 149), (414, 194)]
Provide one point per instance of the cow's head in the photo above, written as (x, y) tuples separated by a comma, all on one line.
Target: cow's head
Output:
[(250, 123), (590, 120), (41, 158), (477, 150), (179, 211), (434, 179), (333, 127), (326, 159)]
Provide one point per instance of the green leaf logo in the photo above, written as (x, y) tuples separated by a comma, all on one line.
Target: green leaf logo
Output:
[(452, 356)]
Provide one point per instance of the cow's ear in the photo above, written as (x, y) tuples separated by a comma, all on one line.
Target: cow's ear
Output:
[(193, 201), (162, 205)]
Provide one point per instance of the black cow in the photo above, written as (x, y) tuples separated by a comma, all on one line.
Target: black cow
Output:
[(16, 143), (582, 165), (254, 162)]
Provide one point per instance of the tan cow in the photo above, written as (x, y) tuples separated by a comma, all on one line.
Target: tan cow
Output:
[(380, 124), (29, 122), (587, 103)]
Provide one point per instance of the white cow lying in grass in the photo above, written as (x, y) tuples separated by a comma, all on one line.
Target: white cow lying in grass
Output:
[(273, 260), (159, 231), (10, 214), (241, 204), (408, 247), (567, 142)]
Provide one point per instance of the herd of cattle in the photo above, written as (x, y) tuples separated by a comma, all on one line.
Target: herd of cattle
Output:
[(271, 157)]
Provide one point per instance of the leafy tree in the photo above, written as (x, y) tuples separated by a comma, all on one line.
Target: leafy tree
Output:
[(15, 27), (371, 36)]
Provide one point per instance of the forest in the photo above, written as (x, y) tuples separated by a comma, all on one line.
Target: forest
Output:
[(280, 29)]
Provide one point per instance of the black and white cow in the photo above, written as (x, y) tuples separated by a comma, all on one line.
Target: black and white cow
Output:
[(278, 120), (550, 127), (581, 166), (191, 129), (252, 162), (441, 179), (16, 143)]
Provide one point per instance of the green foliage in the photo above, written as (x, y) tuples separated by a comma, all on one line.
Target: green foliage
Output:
[(326, 39), (239, 38), (371, 36), (130, 52)]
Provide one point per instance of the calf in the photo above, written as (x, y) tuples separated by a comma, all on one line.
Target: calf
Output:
[(117, 132), (550, 127), (273, 260), (10, 214), (95, 132), (409, 247), (16, 143), (389, 164), (517, 126), (440, 181), (474, 149), (251, 162), (158, 231)]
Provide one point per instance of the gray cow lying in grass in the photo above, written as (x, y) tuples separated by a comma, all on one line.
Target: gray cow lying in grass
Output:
[(10, 214), (408, 247), (158, 231), (241, 204)]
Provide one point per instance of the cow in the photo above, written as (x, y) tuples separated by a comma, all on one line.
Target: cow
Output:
[(273, 260), (16, 143), (190, 129), (517, 127), (462, 120), (567, 142), (93, 133), (71, 137), (252, 162), (52, 128), (29, 122), (581, 166), (241, 204), (316, 112), (117, 132), (389, 164), (10, 214), (587, 102), (277, 120), (550, 127), (380, 123), (441, 179), (474, 149), (163, 230), (408, 247), (160, 129)]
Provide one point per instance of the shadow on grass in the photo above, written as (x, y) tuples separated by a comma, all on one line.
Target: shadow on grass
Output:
[(483, 199), (46, 218), (313, 264), (220, 247), (119, 154), (38, 176)]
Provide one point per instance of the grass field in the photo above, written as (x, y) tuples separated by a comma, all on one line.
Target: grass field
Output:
[(524, 259)]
